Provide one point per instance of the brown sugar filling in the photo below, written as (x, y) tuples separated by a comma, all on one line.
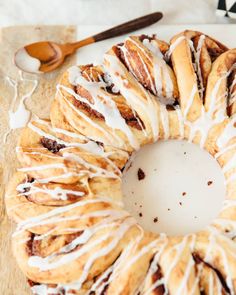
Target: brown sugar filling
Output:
[(52, 145), (160, 290), (199, 260)]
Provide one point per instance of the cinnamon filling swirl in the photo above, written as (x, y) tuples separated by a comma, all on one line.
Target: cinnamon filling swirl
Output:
[(52, 145), (199, 260), (157, 276), (231, 93), (44, 246)]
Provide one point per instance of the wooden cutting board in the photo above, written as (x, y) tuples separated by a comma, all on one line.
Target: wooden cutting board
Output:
[(12, 281)]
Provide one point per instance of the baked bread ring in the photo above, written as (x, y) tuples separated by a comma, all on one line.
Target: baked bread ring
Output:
[(144, 91)]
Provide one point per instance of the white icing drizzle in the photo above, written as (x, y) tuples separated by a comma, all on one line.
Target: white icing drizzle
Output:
[(57, 193), (89, 146), (224, 150), (181, 121), (190, 100), (50, 263), (70, 153), (230, 179), (212, 241), (228, 133), (133, 259), (154, 268), (165, 121), (179, 249), (118, 235), (52, 215), (101, 283), (19, 117), (102, 103), (152, 45), (94, 170), (108, 136), (173, 46), (230, 164)]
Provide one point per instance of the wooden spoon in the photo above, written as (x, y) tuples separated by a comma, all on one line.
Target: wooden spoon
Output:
[(42, 57)]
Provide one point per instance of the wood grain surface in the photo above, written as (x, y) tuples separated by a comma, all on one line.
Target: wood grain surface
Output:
[(12, 281)]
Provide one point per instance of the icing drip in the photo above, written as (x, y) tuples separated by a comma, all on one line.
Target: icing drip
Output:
[(19, 117)]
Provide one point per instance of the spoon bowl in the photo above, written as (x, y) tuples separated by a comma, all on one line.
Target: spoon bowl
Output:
[(40, 57)]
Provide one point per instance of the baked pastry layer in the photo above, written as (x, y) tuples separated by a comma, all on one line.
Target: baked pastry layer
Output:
[(73, 236)]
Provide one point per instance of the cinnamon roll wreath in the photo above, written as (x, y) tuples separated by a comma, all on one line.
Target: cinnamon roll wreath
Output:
[(72, 235)]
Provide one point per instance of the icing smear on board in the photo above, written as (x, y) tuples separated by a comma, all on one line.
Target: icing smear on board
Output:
[(18, 114)]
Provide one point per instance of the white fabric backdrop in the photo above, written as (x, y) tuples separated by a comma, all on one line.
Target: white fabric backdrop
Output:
[(105, 12)]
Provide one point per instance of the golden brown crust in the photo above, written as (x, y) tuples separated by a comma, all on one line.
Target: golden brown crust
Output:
[(73, 237)]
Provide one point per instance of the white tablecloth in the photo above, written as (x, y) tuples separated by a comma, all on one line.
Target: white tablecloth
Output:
[(105, 12)]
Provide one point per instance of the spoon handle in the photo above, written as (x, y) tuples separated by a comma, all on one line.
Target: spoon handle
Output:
[(122, 29), (129, 26)]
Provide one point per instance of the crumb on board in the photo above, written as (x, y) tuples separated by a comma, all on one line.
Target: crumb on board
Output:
[(140, 214), (180, 203), (209, 182), (141, 174), (155, 220), (184, 193)]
